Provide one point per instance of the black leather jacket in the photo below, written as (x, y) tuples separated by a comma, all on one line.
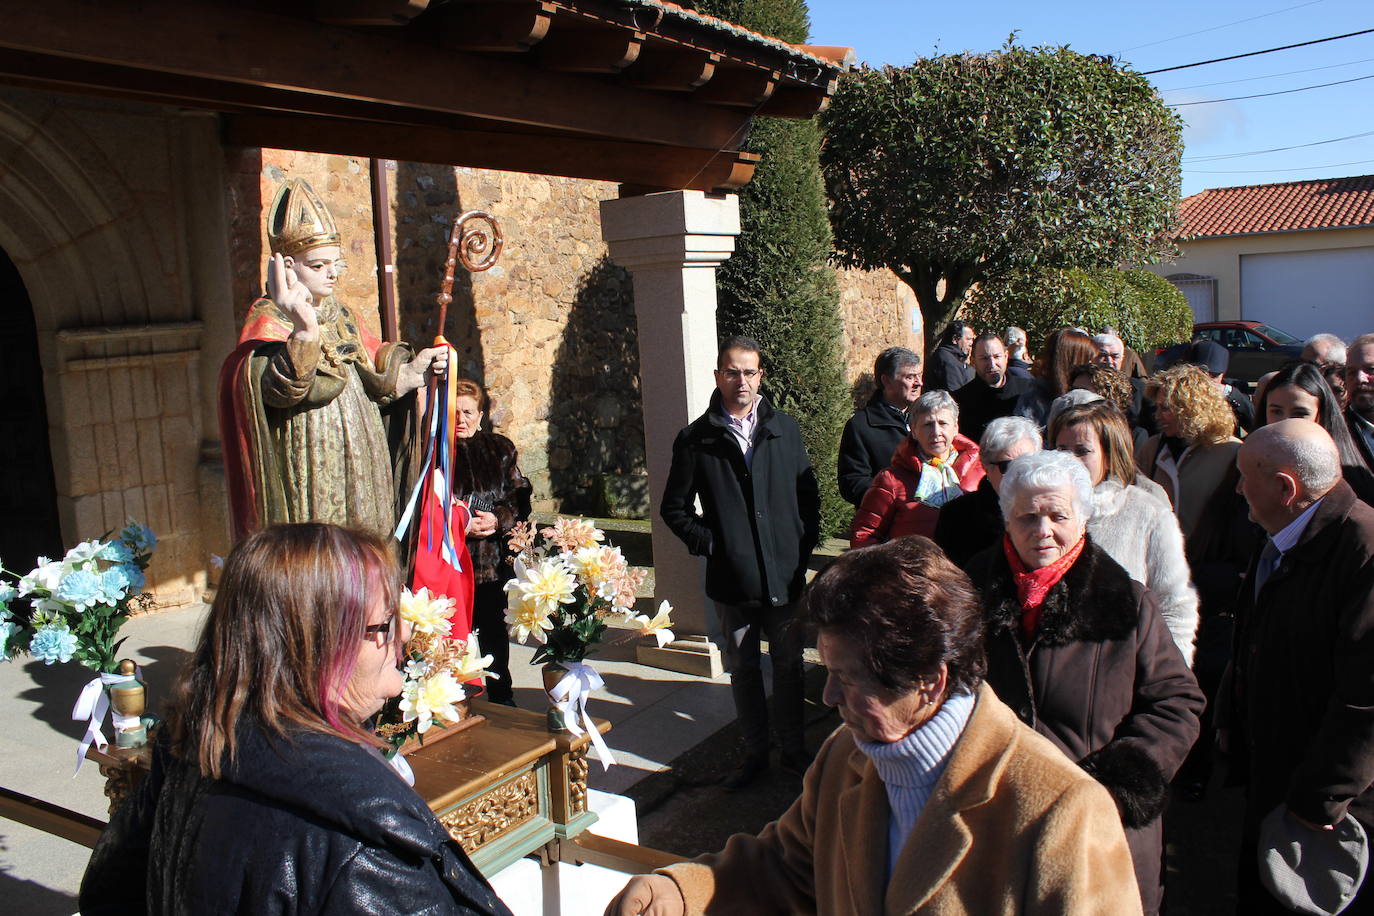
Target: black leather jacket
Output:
[(315, 824)]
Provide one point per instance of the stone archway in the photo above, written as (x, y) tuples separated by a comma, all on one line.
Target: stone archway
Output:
[(93, 214)]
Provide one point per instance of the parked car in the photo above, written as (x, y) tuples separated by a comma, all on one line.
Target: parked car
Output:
[(1255, 347)]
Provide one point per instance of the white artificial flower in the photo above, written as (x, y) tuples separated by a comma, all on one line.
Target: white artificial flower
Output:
[(473, 664), (432, 697), (427, 613), (45, 576), (417, 668), (658, 626)]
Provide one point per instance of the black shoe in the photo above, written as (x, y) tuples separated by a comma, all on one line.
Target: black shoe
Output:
[(749, 769)]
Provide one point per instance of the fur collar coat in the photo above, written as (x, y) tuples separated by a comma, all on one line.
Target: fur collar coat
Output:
[(1102, 679)]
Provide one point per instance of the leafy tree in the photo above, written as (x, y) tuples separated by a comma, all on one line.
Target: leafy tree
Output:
[(778, 286), (1147, 310), (961, 169)]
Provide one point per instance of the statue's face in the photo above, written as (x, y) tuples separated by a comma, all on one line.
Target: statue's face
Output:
[(318, 270)]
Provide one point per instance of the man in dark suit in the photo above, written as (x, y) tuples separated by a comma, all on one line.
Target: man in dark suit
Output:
[(992, 393), (949, 366), (874, 432), (759, 520), (1298, 717), (1359, 388)]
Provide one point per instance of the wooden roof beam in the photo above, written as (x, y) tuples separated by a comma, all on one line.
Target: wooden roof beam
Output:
[(589, 51), (672, 69), (207, 41), (506, 27), (738, 87), (369, 12), (648, 165)]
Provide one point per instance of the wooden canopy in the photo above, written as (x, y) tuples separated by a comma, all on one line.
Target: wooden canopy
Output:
[(643, 92)]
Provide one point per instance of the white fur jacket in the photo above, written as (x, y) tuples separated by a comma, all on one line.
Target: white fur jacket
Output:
[(1140, 532)]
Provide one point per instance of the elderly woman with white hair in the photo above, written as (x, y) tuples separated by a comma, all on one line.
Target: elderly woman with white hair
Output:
[(932, 466), (1080, 651)]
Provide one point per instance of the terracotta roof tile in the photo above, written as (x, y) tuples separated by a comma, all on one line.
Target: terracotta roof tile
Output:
[(1292, 206), (798, 52)]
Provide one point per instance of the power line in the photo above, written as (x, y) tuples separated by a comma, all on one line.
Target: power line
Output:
[(1224, 25), (1277, 149), (1264, 95), (1251, 79), (1334, 165), (1217, 60)]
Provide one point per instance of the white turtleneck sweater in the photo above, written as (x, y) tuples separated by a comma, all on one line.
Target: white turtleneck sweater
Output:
[(910, 767)]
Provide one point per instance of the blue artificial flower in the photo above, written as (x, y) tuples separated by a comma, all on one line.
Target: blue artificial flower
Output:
[(117, 552), (140, 538), (79, 588), (133, 574), (53, 644), (7, 630), (114, 584), (7, 594)]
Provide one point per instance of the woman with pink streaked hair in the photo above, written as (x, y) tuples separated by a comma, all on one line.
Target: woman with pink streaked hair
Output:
[(268, 793)]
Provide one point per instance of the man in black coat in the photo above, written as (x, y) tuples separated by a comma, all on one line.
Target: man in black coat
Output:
[(949, 363), (874, 432), (992, 393), (759, 520), (1298, 714), (1359, 387)]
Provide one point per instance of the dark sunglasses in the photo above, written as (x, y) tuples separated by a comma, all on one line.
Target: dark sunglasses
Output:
[(1001, 465)]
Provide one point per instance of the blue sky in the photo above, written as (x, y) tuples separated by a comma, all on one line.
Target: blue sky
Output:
[(1154, 35)]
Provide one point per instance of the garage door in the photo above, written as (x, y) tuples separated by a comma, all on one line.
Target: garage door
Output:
[(1306, 292)]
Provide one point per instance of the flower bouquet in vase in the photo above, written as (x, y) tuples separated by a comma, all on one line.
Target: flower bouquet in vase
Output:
[(568, 587), (438, 671), (72, 609)]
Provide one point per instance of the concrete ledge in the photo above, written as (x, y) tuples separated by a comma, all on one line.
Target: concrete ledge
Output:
[(689, 655)]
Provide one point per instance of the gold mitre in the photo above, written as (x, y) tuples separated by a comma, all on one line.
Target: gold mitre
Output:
[(299, 220)]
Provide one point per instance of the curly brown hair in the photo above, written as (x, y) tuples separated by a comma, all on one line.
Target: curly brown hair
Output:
[(1204, 417), (1108, 382)]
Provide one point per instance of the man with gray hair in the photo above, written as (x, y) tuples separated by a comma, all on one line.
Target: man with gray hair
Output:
[(1324, 350), (874, 432), (1298, 714), (973, 522), (1359, 392)]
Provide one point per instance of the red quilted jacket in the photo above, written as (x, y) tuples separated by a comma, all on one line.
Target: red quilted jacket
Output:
[(890, 508)]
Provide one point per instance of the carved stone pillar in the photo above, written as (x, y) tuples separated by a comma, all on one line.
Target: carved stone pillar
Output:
[(672, 243)]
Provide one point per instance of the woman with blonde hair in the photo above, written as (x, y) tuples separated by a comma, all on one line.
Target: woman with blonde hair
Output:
[(1132, 524), (267, 792), (1194, 455)]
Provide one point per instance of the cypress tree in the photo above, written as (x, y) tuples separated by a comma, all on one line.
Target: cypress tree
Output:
[(778, 287)]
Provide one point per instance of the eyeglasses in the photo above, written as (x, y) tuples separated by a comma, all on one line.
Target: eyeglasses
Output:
[(1001, 465), (734, 374), (384, 628)]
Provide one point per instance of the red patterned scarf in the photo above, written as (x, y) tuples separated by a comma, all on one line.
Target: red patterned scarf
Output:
[(1033, 585)]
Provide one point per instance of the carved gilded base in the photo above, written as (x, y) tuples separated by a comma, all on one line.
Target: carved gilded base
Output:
[(494, 814)]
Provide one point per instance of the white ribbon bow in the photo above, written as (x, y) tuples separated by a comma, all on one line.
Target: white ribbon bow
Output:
[(570, 696), (92, 705)]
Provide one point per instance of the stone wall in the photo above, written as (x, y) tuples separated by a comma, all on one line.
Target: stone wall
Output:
[(878, 311), (97, 212)]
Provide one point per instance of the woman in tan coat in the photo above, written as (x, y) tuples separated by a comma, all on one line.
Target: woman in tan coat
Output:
[(931, 798)]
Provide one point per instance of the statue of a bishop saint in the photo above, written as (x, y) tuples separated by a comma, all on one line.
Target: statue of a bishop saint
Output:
[(301, 397)]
